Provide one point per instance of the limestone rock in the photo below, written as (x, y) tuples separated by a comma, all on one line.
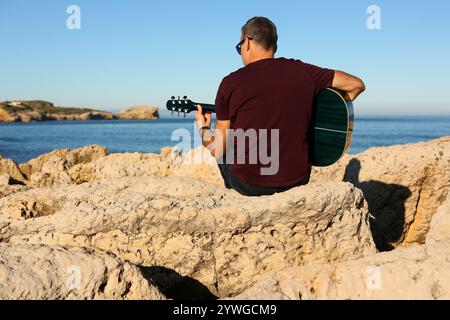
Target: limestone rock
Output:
[(139, 113), (30, 116), (403, 185), (440, 224), (120, 165), (63, 166), (417, 272), (91, 115), (4, 179), (216, 236), (52, 168), (6, 116), (52, 272), (10, 172), (197, 163), (9, 185)]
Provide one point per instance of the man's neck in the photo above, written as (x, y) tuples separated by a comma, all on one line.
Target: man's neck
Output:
[(262, 56)]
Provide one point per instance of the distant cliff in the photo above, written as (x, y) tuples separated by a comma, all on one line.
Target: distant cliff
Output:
[(26, 111), (37, 110), (139, 113)]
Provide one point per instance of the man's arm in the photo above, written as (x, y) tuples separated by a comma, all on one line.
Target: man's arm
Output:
[(351, 85), (215, 141)]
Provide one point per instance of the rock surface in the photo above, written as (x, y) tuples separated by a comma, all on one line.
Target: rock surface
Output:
[(139, 113), (53, 168), (403, 185), (53, 272), (10, 172), (213, 235), (95, 163), (417, 272), (440, 224), (168, 218)]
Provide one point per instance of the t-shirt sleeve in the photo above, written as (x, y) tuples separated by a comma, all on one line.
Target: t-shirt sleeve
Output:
[(322, 77), (222, 106)]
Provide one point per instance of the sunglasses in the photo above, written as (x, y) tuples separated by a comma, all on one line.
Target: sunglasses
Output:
[(239, 45)]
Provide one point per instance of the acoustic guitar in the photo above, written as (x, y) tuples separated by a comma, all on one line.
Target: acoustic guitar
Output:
[(331, 130)]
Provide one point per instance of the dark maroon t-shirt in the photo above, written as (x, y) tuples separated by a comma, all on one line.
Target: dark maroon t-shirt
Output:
[(273, 94)]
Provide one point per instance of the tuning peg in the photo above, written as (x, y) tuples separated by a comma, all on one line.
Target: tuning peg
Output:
[(185, 97), (172, 98), (185, 112), (178, 97), (179, 112), (173, 109)]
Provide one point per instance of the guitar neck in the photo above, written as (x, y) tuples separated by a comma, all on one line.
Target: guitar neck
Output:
[(207, 107)]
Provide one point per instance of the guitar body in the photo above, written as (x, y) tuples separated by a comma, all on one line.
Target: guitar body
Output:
[(331, 130)]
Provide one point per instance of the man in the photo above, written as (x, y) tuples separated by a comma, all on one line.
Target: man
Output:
[(274, 94)]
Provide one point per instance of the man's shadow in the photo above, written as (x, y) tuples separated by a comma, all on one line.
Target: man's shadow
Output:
[(386, 204)]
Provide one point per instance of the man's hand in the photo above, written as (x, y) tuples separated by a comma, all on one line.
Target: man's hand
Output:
[(216, 141), (202, 119)]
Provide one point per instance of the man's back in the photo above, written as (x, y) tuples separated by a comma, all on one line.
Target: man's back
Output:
[(273, 94), (271, 99)]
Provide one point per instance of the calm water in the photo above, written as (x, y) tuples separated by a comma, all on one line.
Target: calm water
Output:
[(24, 141)]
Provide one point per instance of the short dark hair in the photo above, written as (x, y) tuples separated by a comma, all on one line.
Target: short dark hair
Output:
[(263, 31)]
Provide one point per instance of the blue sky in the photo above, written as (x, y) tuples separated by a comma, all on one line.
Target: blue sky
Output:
[(136, 52)]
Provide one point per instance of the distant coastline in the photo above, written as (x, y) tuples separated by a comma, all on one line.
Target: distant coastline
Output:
[(38, 110)]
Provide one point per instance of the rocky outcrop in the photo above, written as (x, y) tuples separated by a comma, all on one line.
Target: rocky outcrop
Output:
[(196, 163), (36, 116), (92, 115), (213, 235), (440, 224), (95, 163), (53, 168), (6, 116), (416, 272), (10, 172), (403, 185), (168, 218), (54, 272), (11, 178), (28, 111), (139, 113), (121, 165)]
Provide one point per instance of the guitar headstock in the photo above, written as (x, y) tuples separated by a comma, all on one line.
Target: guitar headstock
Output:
[(183, 105)]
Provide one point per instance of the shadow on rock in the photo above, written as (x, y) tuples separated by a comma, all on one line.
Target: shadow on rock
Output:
[(12, 181), (175, 286), (386, 204)]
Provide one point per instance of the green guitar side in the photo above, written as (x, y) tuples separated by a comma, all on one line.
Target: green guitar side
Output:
[(332, 128)]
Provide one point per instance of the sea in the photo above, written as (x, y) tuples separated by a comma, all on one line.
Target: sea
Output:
[(24, 141)]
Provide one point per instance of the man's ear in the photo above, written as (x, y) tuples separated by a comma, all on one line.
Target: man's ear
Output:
[(247, 47)]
